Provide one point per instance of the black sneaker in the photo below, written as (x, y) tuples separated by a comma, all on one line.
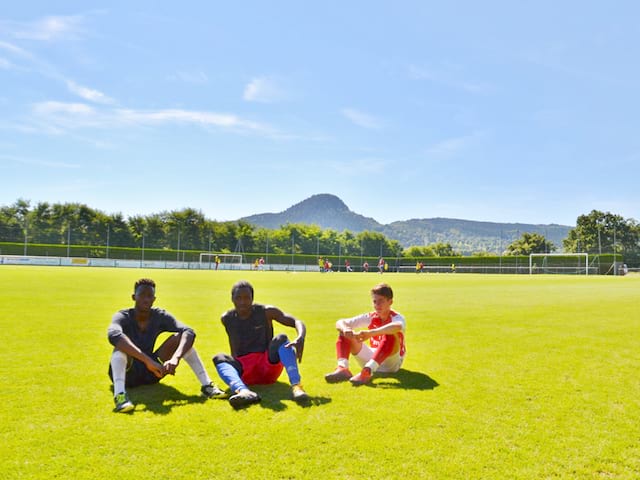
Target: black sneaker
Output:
[(244, 398), (212, 391), (123, 404)]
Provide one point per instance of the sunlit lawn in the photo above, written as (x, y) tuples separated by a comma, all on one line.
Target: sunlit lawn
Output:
[(505, 377)]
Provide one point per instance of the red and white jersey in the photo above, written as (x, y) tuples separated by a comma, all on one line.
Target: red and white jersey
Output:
[(372, 320)]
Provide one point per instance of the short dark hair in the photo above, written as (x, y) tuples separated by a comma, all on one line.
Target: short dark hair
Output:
[(241, 284), (144, 281), (384, 290)]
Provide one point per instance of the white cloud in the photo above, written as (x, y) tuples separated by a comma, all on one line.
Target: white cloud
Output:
[(264, 90), (15, 50), (46, 29), (88, 93), (361, 119), (5, 64), (58, 117)]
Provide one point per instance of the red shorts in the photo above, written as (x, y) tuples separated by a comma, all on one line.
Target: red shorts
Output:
[(257, 370)]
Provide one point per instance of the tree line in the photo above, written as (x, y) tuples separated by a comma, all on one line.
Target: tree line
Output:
[(189, 229)]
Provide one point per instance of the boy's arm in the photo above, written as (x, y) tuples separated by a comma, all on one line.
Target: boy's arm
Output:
[(125, 345), (187, 337), (346, 325), (279, 316), (388, 329)]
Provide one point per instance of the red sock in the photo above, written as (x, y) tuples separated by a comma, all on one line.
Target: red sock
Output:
[(343, 347)]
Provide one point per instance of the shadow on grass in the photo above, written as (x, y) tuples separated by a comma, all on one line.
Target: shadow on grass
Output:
[(403, 379), (277, 397), (161, 398)]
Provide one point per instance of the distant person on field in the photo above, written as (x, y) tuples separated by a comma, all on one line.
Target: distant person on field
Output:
[(261, 263), (347, 266), (257, 357), (133, 333), (321, 265), (365, 266), (385, 330), (381, 264), (217, 261)]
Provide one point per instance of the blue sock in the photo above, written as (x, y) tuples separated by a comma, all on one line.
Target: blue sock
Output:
[(230, 376), (290, 362)]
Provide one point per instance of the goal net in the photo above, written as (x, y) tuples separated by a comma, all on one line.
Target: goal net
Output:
[(563, 263), (220, 261)]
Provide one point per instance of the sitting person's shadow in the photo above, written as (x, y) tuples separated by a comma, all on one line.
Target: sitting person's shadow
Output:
[(274, 396), (404, 379), (161, 398)]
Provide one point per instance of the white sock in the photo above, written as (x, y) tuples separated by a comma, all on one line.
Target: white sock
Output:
[(372, 365), (193, 360), (118, 371), (343, 362)]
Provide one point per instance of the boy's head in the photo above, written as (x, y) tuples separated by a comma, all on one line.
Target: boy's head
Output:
[(242, 297), (144, 294), (382, 289), (382, 298), (144, 281)]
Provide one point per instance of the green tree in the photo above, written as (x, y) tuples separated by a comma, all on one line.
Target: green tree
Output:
[(439, 249), (603, 232), (530, 243)]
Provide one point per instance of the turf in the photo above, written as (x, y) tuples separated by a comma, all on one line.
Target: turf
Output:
[(505, 377)]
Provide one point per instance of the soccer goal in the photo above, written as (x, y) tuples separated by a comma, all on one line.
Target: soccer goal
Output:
[(225, 261), (564, 263)]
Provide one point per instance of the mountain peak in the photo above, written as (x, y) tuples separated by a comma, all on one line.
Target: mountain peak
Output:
[(323, 209), (321, 200)]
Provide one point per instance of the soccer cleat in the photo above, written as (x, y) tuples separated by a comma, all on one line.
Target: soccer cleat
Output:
[(298, 394), (123, 404), (212, 391), (363, 377), (340, 374), (244, 398)]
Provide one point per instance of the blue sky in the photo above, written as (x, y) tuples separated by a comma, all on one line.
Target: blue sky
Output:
[(492, 111)]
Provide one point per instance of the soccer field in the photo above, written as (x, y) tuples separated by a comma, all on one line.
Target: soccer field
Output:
[(506, 377)]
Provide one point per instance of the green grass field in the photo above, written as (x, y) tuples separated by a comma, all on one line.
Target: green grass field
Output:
[(506, 377)]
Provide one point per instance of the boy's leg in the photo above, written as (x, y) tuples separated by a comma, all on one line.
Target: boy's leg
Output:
[(344, 347), (207, 387), (118, 374), (230, 371), (166, 351), (287, 356), (387, 346)]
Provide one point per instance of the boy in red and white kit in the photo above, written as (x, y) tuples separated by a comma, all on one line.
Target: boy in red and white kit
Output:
[(385, 330)]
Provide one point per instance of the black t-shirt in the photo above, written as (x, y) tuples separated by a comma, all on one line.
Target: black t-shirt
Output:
[(250, 335), (124, 323)]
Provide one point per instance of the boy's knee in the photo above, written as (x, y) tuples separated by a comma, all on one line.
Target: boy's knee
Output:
[(280, 340), (222, 358)]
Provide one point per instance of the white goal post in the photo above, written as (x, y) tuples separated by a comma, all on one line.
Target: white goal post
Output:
[(559, 263), (226, 261)]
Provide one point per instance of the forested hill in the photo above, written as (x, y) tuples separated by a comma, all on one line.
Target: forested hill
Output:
[(324, 210), (465, 236)]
